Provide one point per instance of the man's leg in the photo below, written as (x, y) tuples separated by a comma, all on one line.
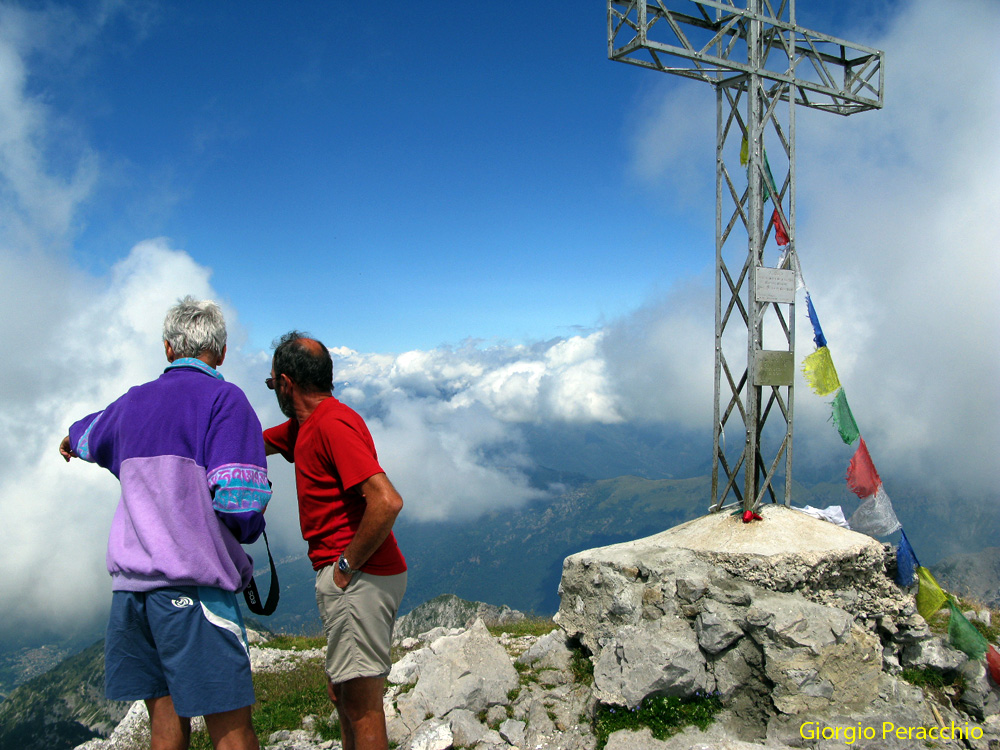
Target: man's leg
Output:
[(232, 730), (362, 717), (168, 731), (346, 736)]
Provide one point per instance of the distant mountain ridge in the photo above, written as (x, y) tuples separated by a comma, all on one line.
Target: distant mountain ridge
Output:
[(62, 707)]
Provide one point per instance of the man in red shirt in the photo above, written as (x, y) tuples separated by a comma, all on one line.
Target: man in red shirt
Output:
[(347, 507)]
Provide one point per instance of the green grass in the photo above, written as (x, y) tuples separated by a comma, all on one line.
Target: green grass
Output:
[(530, 625), (926, 677), (284, 698), (295, 642), (581, 666), (992, 631), (665, 716)]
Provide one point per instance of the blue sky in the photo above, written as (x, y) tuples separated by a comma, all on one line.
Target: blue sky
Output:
[(389, 180), (494, 227), (400, 179)]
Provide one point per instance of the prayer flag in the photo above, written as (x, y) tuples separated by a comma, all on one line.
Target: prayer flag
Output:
[(744, 152), (993, 662), (780, 235), (769, 187), (930, 597), (906, 562), (818, 338), (820, 372), (862, 477), (875, 516), (843, 419), (964, 636)]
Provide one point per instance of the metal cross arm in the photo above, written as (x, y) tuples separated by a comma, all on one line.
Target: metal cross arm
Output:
[(708, 40)]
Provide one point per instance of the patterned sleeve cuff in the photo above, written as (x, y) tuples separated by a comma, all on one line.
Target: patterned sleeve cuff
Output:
[(239, 488), (82, 446)]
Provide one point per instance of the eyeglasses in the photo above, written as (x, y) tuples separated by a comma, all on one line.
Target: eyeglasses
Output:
[(269, 382)]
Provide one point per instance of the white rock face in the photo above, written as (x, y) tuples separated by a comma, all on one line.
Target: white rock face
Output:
[(786, 621), (471, 671)]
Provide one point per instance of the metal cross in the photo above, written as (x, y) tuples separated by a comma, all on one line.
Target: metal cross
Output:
[(756, 57)]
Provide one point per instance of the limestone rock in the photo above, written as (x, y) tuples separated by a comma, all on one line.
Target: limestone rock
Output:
[(431, 735), (659, 658), (512, 730), (466, 729), (470, 671), (548, 652)]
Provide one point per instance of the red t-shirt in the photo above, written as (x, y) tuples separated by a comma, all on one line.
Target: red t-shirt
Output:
[(333, 452)]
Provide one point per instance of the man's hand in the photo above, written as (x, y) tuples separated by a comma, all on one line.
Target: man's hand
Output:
[(65, 450), (340, 579)]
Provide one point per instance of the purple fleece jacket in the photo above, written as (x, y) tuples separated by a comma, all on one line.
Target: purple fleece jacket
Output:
[(189, 453)]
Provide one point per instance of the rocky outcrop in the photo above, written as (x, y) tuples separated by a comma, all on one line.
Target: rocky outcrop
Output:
[(467, 688), (449, 611), (787, 620), (792, 623)]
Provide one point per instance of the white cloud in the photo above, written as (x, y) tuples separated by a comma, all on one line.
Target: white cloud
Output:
[(898, 243), (905, 242)]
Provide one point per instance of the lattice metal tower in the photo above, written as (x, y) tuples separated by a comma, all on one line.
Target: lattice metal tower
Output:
[(757, 58)]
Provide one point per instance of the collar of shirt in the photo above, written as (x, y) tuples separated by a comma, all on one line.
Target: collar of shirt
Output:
[(196, 364)]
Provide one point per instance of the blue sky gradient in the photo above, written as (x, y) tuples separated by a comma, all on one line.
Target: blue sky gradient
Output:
[(401, 179)]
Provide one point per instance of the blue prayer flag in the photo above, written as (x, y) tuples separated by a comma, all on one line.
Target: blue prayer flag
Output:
[(818, 336), (906, 562)]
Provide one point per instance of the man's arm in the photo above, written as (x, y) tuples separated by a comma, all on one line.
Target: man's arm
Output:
[(269, 450), (382, 505)]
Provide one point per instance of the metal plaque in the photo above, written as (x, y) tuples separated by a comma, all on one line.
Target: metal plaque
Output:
[(773, 368), (775, 285)]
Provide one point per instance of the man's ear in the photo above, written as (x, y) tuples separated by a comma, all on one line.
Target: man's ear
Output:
[(222, 357), (169, 351)]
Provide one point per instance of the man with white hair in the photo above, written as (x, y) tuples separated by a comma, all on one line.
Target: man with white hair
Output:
[(188, 451)]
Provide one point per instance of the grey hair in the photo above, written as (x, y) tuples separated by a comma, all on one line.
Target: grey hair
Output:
[(195, 326)]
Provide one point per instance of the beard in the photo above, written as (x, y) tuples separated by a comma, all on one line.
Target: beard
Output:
[(285, 404)]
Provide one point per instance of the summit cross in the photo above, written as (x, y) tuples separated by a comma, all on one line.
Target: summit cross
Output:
[(756, 57)]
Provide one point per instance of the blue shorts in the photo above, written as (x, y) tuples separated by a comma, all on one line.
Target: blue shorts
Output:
[(187, 642)]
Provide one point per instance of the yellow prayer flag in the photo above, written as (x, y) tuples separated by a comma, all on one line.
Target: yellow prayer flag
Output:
[(930, 596), (820, 372), (744, 153)]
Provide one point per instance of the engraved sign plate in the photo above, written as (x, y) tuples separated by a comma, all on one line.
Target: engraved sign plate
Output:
[(773, 368), (775, 285)]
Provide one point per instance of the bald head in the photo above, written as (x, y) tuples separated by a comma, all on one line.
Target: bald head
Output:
[(305, 361)]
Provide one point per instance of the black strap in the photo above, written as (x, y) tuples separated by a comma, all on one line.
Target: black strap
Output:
[(253, 598)]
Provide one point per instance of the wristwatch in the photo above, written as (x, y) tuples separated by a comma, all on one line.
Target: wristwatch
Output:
[(345, 567)]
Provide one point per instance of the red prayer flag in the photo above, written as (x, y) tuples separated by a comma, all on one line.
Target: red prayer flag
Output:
[(993, 661), (780, 235), (861, 475)]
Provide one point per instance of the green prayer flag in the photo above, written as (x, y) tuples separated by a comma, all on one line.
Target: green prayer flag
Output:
[(964, 636), (930, 596), (843, 419), (744, 153), (769, 186)]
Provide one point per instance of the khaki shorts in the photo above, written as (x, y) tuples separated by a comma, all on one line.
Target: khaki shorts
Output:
[(358, 623)]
